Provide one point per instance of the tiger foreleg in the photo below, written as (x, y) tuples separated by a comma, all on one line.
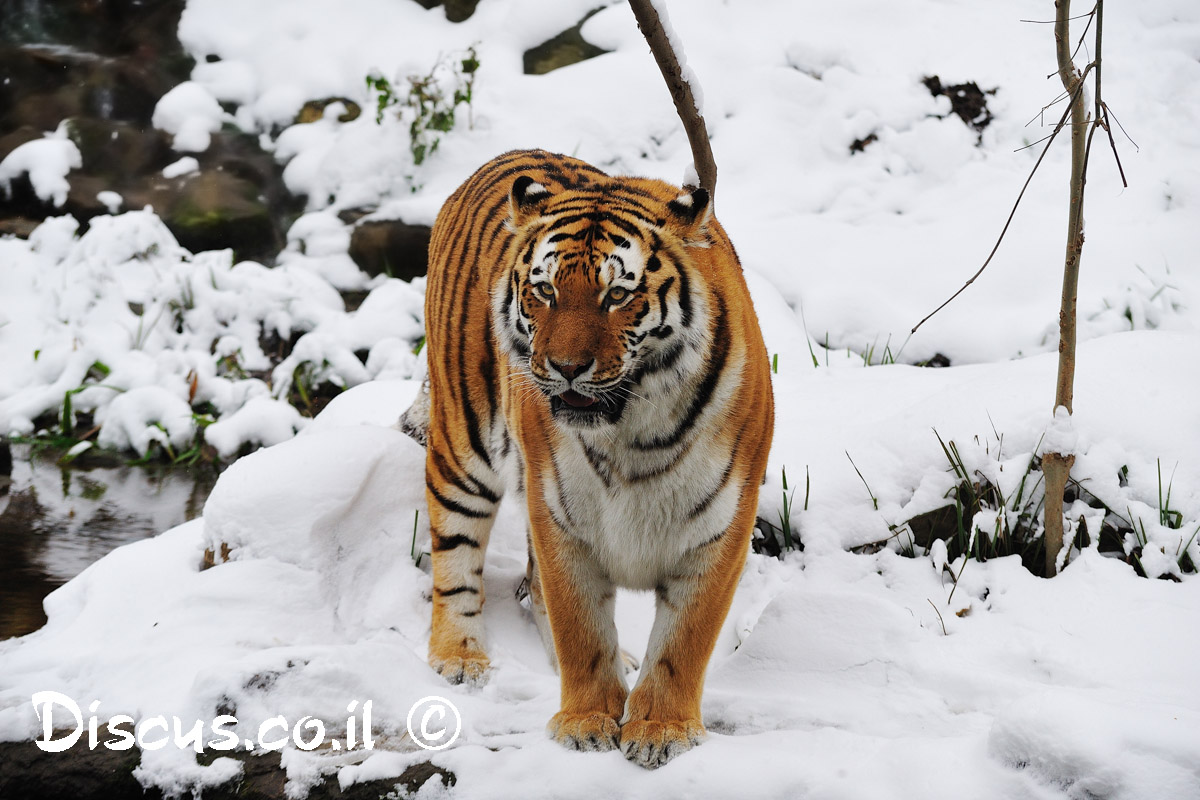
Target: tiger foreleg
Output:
[(662, 718), (580, 601), (537, 606)]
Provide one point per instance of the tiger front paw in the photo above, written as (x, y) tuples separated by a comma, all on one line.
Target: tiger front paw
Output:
[(472, 670), (651, 743), (594, 731)]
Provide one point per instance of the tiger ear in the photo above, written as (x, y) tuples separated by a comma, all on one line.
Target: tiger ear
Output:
[(689, 213), (526, 199)]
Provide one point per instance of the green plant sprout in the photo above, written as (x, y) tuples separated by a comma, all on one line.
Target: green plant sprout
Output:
[(427, 106)]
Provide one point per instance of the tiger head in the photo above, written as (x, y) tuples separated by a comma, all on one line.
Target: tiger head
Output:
[(601, 292)]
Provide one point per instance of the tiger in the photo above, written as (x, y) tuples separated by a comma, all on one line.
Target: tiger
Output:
[(592, 346)]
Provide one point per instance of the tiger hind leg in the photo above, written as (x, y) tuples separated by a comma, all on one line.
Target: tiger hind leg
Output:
[(460, 525)]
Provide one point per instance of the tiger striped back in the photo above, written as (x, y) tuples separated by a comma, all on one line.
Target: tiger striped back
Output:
[(592, 344)]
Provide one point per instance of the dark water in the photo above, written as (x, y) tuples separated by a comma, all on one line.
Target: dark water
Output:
[(56, 520)]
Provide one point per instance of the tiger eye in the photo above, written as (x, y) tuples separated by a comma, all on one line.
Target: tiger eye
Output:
[(617, 294), (545, 290)]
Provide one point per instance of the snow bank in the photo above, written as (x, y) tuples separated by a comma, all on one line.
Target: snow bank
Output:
[(123, 308), (837, 675)]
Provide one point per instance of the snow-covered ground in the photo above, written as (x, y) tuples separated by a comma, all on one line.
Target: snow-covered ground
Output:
[(840, 674)]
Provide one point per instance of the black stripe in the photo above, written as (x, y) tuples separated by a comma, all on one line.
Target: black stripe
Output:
[(659, 363), (449, 474), (457, 508), (456, 590), (704, 391), (714, 539), (473, 426), (663, 289), (558, 490), (638, 477), (563, 526), (725, 476), (598, 463), (685, 295), (443, 543), (595, 216), (662, 331)]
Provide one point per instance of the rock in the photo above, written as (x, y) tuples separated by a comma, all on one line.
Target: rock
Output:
[(26, 771), (103, 774), (314, 110), (460, 10), (456, 10), (47, 84), (859, 145), (18, 226), (115, 150), (390, 247), (940, 523), (22, 201), (936, 361), (213, 210), (967, 101), (11, 141), (568, 47), (83, 201), (44, 110)]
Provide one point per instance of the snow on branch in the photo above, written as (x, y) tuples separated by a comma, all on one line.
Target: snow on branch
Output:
[(655, 25)]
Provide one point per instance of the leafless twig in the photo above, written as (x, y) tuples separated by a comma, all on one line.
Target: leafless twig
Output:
[(681, 91), (1057, 128)]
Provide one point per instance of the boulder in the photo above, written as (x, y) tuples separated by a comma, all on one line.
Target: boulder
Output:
[(117, 151), (390, 247), (212, 210), (568, 47)]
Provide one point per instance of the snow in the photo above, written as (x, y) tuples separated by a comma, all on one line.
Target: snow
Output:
[(143, 415), (111, 201), (184, 166), (191, 113), (47, 162), (689, 76), (1060, 436), (834, 675), (838, 674), (261, 421)]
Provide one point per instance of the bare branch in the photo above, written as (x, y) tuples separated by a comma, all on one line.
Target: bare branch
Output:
[(1107, 112), (1101, 108), (681, 91), (1083, 36), (1112, 143), (1050, 140), (1042, 112), (1049, 21), (1034, 144)]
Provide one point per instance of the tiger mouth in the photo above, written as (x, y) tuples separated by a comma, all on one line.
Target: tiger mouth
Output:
[(572, 407), (576, 400)]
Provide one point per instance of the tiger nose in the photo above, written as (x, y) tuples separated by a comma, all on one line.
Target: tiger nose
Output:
[(571, 370)]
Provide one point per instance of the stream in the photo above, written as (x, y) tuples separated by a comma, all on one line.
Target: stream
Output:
[(55, 520)]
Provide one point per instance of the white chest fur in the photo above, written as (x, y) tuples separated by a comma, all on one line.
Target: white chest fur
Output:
[(642, 510)]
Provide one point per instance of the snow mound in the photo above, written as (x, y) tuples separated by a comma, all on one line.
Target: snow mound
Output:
[(191, 114), (46, 162)]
